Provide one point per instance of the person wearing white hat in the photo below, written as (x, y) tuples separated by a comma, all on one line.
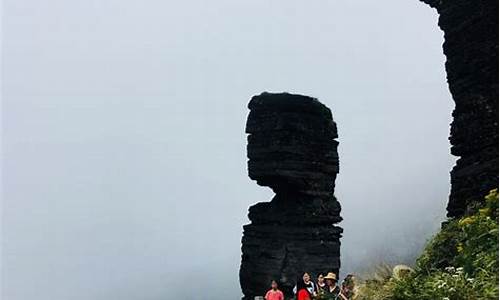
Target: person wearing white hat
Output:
[(332, 291)]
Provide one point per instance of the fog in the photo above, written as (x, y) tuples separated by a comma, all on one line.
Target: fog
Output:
[(123, 145)]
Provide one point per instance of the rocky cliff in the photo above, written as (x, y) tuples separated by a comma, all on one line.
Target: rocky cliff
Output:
[(471, 49), (291, 149)]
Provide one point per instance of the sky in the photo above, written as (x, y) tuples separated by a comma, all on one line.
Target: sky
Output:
[(123, 146)]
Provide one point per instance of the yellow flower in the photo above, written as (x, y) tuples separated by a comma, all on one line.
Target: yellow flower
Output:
[(460, 248), (485, 212), (492, 197), (466, 221)]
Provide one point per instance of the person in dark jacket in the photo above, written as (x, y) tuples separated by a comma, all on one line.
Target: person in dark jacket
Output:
[(321, 285), (348, 286), (332, 290)]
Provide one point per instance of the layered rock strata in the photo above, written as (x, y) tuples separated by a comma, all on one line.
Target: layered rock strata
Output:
[(291, 149), (471, 49)]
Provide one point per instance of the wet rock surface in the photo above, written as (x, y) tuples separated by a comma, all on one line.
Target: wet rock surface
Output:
[(291, 149), (471, 49)]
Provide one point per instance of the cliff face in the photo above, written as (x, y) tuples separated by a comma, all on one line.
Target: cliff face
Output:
[(291, 149), (471, 49)]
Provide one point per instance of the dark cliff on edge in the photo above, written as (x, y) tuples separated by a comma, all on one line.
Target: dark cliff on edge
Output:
[(291, 149), (471, 50)]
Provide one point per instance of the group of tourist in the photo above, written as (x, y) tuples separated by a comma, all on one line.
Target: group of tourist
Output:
[(326, 288)]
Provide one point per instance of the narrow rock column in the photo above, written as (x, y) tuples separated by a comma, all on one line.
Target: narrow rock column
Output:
[(291, 149)]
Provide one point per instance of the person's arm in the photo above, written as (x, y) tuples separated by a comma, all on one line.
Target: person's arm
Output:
[(267, 296), (282, 297), (342, 296)]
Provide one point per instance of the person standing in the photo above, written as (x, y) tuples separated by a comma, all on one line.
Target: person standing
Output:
[(301, 291), (274, 293), (307, 283), (348, 286), (332, 290), (320, 285)]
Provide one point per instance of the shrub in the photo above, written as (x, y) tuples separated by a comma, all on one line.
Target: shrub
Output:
[(459, 263)]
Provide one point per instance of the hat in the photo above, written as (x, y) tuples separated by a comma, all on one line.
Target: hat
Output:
[(330, 275)]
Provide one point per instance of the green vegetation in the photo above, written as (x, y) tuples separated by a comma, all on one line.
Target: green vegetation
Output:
[(459, 263)]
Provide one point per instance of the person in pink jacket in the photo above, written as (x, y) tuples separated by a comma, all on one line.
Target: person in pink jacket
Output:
[(274, 293)]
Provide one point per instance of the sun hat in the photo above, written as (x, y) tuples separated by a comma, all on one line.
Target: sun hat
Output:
[(330, 275)]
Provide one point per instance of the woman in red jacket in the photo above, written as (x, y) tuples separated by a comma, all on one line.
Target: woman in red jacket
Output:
[(302, 291)]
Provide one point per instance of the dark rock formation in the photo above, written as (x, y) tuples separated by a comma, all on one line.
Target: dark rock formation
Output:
[(291, 149), (471, 49)]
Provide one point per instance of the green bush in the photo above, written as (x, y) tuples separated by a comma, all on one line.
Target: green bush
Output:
[(459, 263)]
